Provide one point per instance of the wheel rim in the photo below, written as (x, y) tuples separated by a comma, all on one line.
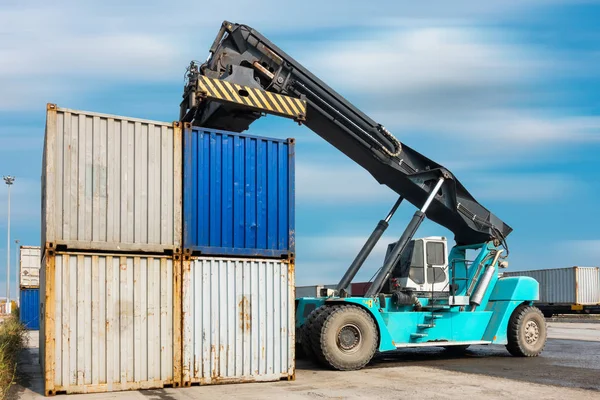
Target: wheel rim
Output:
[(348, 338), (532, 332)]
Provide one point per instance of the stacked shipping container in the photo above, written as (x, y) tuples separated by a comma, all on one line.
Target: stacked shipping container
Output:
[(111, 183), (29, 286), (238, 269), (111, 268), (122, 307), (239, 194)]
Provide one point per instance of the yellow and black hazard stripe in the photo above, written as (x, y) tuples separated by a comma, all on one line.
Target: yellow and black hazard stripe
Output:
[(272, 103)]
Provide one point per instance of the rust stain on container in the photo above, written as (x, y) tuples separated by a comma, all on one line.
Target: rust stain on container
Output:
[(108, 289), (231, 345), (213, 352), (245, 314), (49, 338)]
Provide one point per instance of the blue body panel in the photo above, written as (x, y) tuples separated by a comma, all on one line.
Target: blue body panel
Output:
[(508, 294), (238, 194), (403, 325), (521, 288), (29, 308)]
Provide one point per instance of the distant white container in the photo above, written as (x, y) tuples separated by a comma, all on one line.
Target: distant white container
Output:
[(574, 285), (110, 322), (111, 183), (29, 266), (238, 320), (314, 290)]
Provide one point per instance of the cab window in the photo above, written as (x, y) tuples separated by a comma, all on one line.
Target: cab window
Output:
[(417, 267), (435, 253), (435, 258)]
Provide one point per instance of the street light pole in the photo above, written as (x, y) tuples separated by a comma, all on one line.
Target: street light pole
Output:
[(9, 181)]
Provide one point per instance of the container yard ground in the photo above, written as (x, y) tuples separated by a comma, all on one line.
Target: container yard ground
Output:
[(567, 369)]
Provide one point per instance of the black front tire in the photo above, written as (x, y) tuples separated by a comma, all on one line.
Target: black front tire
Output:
[(345, 337), (527, 332)]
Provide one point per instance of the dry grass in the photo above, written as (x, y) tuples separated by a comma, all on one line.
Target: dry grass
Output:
[(12, 340)]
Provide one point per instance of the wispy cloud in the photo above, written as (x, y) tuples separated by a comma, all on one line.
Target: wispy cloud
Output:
[(338, 183), (53, 53), (503, 127), (585, 252), (25, 201), (402, 61), (458, 89), (59, 53), (326, 258), (525, 188), (335, 183)]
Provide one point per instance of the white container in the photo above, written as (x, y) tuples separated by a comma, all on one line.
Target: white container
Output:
[(238, 320), (29, 266), (314, 290), (109, 322), (574, 285), (110, 183)]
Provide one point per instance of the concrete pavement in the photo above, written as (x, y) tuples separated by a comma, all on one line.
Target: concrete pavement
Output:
[(564, 371)]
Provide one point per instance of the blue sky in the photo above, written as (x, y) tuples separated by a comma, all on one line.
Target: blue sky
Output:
[(504, 93)]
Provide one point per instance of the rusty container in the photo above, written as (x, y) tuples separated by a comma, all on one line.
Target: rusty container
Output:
[(111, 183), (109, 322), (238, 320)]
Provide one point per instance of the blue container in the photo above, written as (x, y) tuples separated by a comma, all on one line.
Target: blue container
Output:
[(238, 194), (30, 308)]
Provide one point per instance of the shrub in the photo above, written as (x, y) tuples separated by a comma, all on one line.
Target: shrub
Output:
[(12, 340)]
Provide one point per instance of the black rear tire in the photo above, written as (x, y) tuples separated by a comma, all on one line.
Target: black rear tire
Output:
[(345, 337), (299, 352), (305, 333), (527, 332)]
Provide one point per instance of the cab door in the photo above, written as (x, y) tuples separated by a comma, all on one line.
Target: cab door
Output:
[(436, 266)]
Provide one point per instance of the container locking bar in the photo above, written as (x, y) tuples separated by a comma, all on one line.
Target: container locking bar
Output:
[(366, 250), (406, 237)]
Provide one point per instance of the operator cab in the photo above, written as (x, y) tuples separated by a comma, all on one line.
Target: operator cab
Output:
[(422, 266)]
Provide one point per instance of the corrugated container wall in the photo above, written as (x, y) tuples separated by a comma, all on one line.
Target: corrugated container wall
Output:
[(575, 285), (110, 182), (238, 194), (238, 320), (29, 308), (110, 322), (29, 266)]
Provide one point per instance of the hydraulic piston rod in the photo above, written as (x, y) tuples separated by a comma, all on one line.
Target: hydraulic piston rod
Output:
[(366, 250), (406, 237)]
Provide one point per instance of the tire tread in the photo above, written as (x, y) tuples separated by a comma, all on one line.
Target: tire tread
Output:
[(322, 349), (515, 346)]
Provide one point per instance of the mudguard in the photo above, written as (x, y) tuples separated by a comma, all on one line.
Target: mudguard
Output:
[(521, 288)]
